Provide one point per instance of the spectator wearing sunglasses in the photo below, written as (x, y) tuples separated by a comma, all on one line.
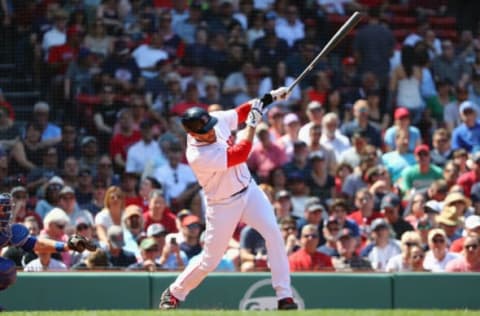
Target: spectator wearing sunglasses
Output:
[(308, 258), (472, 226), (400, 262), (438, 256), (470, 259)]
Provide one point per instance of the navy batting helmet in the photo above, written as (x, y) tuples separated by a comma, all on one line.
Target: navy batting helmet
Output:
[(197, 120)]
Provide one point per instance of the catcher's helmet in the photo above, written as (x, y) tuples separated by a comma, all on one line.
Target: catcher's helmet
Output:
[(197, 120)]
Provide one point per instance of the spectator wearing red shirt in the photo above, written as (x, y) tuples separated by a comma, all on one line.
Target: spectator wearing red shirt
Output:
[(159, 213), (61, 55), (308, 258), (129, 185), (123, 139), (467, 180), (470, 259), (265, 155), (472, 226), (365, 213), (192, 98)]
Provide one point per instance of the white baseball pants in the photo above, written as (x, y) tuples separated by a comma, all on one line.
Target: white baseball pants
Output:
[(253, 208)]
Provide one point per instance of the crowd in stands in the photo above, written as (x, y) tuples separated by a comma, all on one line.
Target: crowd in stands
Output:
[(372, 164)]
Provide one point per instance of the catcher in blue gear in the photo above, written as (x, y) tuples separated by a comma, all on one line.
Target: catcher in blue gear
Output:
[(17, 235)]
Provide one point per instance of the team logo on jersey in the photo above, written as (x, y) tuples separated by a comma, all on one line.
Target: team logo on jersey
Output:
[(255, 298)]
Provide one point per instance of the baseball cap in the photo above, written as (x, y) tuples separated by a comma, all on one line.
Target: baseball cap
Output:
[(331, 219), (467, 105), (433, 206), (314, 204), (390, 200), (67, 190), (378, 223), (472, 222), (282, 194), (183, 213), (401, 113), (155, 229), (190, 219), (132, 210), (290, 118), (148, 244), (436, 232), (313, 105), (316, 155), (295, 176), (88, 139), (41, 106), (422, 148), (18, 189), (82, 221), (56, 180), (115, 236)]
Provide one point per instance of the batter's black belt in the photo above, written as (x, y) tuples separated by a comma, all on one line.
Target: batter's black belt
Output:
[(240, 192)]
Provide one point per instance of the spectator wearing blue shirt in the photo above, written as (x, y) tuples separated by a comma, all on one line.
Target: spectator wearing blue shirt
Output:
[(402, 122), (396, 161), (467, 134), (360, 112), (51, 133)]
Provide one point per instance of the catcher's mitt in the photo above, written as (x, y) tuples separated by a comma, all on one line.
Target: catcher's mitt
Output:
[(79, 243)]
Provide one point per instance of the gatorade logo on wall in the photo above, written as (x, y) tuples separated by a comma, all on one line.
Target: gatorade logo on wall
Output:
[(259, 297)]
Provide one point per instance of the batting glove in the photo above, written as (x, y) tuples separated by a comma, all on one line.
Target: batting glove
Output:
[(255, 115), (280, 94)]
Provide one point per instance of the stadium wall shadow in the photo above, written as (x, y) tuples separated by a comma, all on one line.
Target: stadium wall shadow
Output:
[(251, 291)]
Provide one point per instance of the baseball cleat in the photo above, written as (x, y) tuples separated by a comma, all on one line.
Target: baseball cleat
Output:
[(168, 301), (287, 303)]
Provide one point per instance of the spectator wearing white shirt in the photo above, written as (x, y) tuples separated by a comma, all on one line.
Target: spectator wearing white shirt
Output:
[(315, 111), (383, 247), (57, 35), (141, 152), (291, 28), (332, 137), (438, 256), (178, 180), (44, 262), (148, 56), (291, 123)]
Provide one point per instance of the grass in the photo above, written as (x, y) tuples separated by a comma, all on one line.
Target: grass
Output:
[(317, 312)]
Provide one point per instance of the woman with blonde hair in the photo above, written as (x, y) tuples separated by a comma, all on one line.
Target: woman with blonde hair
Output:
[(400, 262), (111, 214)]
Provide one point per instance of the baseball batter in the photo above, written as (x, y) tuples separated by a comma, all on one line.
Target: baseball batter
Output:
[(231, 195)]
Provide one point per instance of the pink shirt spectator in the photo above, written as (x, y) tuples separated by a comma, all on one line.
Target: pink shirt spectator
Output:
[(263, 160), (461, 265)]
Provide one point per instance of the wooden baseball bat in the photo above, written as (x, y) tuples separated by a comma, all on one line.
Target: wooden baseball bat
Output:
[(332, 43)]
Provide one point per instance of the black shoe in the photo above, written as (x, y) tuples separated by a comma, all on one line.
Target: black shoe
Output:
[(168, 301), (287, 303)]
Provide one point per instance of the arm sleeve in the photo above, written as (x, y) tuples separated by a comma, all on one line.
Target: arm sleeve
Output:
[(242, 112), (238, 153)]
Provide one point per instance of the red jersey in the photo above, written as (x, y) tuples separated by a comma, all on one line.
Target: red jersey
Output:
[(457, 245), (467, 180), (62, 54), (358, 218), (120, 143), (303, 261), (167, 221)]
